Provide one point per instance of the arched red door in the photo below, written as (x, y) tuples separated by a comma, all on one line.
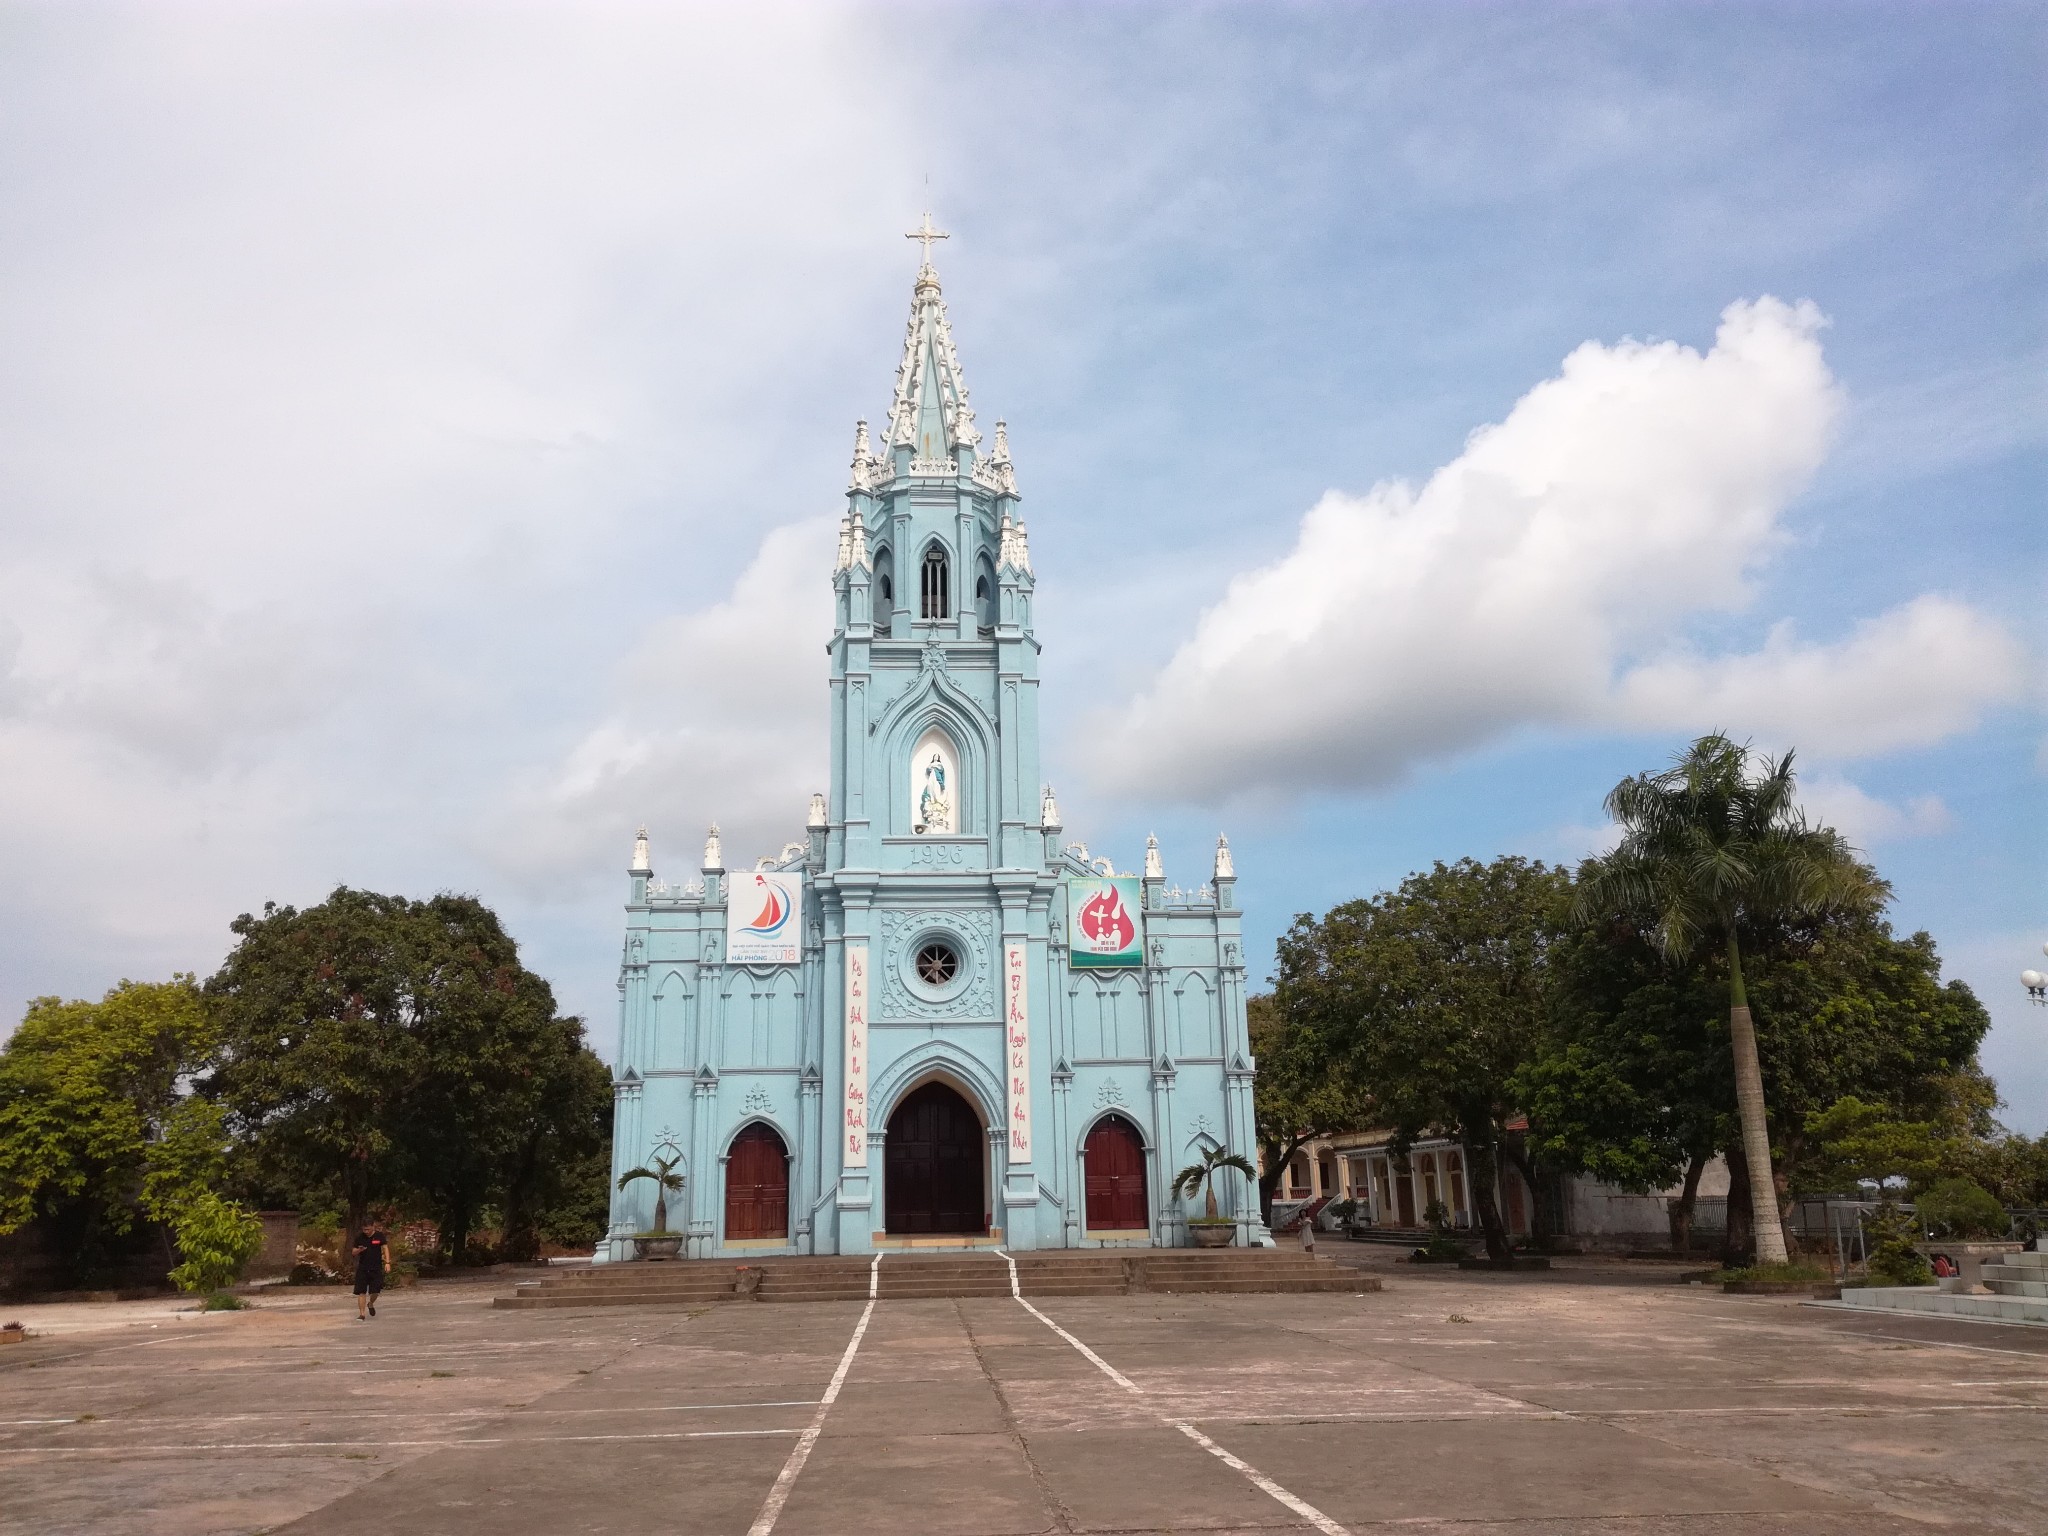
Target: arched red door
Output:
[(1115, 1161), (932, 1165), (756, 1186)]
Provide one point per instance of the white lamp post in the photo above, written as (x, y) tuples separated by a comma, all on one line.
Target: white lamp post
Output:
[(2036, 984)]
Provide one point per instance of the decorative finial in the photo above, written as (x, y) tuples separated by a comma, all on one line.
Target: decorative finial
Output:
[(857, 553), (818, 818), (1012, 548), (999, 461), (863, 477), (714, 854), (642, 864), (1155, 867), (1225, 870), (1048, 811)]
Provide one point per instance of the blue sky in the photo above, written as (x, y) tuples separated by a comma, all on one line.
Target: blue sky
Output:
[(420, 431)]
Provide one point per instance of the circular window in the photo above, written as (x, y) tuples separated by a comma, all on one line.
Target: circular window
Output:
[(937, 963)]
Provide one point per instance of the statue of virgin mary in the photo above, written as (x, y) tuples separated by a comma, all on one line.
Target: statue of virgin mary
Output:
[(934, 810)]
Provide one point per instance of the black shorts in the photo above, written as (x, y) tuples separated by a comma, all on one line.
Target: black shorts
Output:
[(371, 1285)]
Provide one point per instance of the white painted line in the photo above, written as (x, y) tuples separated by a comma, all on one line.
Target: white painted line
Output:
[(771, 1508), (460, 1413), (368, 1445), (1258, 1479)]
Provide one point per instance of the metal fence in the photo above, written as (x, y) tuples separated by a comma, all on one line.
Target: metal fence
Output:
[(1834, 1226)]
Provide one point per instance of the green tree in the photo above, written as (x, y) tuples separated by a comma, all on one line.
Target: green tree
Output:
[(1709, 851), (555, 1186), (1855, 1143), (85, 1090), (1632, 1086), (1436, 992), (1304, 1089), (377, 1050), (317, 1051), (492, 1058)]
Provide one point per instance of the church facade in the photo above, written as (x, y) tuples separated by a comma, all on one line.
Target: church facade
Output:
[(932, 1020)]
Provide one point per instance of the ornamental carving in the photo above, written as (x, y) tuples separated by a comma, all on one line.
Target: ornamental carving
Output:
[(756, 1102), (974, 932), (1110, 1095)]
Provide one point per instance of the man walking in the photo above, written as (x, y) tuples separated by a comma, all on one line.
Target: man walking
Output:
[(373, 1261)]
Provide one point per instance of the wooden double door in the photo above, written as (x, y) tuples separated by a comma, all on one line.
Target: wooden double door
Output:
[(756, 1186), (1114, 1159), (932, 1166)]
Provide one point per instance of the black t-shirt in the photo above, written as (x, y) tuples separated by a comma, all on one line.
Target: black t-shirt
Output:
[(370, 1257)]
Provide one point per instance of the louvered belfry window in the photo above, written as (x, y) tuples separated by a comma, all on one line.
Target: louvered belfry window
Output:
[(934, 582)]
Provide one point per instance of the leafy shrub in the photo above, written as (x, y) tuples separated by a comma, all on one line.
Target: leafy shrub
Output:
[(224, 1301), (1798, 1272), (1961, 1208), (216, 1237), (1891, 1234)]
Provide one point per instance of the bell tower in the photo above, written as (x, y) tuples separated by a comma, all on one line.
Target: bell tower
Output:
[(934, 663)]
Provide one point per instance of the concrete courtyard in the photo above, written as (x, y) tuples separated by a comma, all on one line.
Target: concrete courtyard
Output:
[(1592, 1399)]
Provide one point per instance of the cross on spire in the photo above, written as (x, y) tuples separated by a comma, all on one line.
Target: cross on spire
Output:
[(927, 234)]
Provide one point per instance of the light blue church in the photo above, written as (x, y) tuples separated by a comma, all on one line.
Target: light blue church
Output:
[(932, 1021)]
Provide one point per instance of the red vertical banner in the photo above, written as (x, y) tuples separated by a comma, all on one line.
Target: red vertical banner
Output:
[(853, 1144), (1017, 1029)]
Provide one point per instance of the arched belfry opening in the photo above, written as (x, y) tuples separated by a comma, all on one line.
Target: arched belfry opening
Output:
[(934, 785), (934, 1165), (884, 590), (985, 595), (935, 583)]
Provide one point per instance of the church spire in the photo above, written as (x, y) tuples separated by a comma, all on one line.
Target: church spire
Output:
[(929, 414)]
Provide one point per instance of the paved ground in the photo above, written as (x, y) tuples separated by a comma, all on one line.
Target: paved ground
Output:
[(1588, 1401)]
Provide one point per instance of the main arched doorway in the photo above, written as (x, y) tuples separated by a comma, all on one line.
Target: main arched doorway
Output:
[(756, 1186), (932, 1165), (1114, 1155)]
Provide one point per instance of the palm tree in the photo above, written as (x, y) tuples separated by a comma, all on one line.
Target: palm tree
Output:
[(665, 1179), (1706, 851), (1202, 1176)]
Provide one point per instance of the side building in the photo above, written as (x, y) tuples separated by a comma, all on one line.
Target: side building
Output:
[(930, 1020)]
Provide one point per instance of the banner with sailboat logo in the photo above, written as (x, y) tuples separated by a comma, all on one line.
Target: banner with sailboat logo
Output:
[(764, 912)]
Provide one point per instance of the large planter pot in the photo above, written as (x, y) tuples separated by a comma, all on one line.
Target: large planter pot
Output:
[(1212, 1234), (666, 1246)]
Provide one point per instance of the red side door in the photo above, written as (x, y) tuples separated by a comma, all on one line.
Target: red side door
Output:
[(1115, 1161), (756, 1186)]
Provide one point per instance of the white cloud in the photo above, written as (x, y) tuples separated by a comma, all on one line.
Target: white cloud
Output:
[(719, 716), (1863, 818), (1526, 581), (1916, 675)]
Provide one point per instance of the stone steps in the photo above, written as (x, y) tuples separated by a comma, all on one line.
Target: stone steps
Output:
[(903, 1277), (2018, 1274), (1930, 1301)]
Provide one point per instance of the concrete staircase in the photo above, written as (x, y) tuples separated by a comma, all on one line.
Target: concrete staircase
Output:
[(913, 1276), (2022, 1274), (2017, 1293)]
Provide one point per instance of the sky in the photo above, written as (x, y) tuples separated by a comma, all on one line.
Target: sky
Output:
[(422, 430)]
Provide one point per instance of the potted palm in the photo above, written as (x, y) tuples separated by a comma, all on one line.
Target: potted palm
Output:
[(658, 1243), (1210, 1230)]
